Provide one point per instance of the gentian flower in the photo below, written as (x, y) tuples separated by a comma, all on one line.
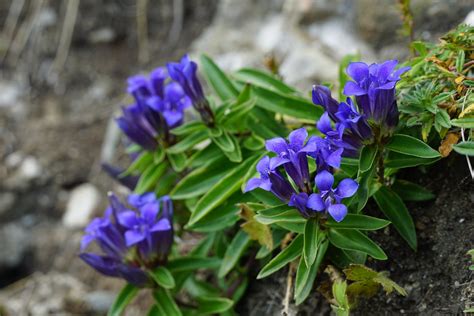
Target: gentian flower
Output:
[(293, 155), (158, 108), (374, 90), (322, 96), (329, 199), (132, 241), (339, 136), (184, 73), (271, 179), (327, 154)]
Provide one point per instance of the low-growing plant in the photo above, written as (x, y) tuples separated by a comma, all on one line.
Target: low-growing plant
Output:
[(267, 175)]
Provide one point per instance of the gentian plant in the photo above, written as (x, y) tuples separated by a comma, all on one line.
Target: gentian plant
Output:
[(265, 175)]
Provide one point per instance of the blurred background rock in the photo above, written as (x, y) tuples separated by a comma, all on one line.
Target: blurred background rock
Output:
[(63, 70)]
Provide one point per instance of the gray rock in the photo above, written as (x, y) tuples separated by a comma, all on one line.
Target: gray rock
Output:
[(15, 245), (99, 301), (102, 35), (7, 199), (82, 203)]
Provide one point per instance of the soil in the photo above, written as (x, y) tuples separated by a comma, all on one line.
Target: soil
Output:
[(436, 276)]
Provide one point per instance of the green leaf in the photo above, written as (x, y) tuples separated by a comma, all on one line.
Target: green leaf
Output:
[(124, 298), (177, 161), (367, 158), (397, 160), (229, 184), (352, 239), (465, 148), (141, 163), (277, 237), (359, 222), (410, 191), (466, 122), (262, 79), (188, 142), (192, 263), (460, 60), (224, 141), (218, 80), (442, 118), (188, 128), (150, 177), (198, 288), (200, 180), (233, 253), (165, 303), (213, 305), (395, 210), (365, 180), (163, 277), (254, 142), (255, 230), (237, 113), (288, 105), (277, 214), (287, 255), (305, 278), (411, 146), (311, 234)]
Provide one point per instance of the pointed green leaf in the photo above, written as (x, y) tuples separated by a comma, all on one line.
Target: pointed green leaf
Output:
[(367, 158), (165, 303), (122, 300), (410, 191), (287, 255), (466, 122), (213, 305), (188, 142), (188, 128), (281, 213), (465, 148), (177, 161), (352, 239), (411, 146), (224, 188), (395, 210), (311, 234), (218, 80), (397, 160), (304, 284), (141, 163), (163, 277), (358, 221), (262, 79), (150, 177), (233, 253)]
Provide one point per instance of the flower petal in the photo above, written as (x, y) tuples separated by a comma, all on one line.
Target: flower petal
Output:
[(352, 88), (254, 183), (324, 123), (127, 219), (337, 211), (297, 137), (346, 188), (315, 202), (277, 145), (133, 237), (324, 180)]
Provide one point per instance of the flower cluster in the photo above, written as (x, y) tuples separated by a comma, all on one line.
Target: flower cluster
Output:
[(376, 113), (132, 241), (292, 157)]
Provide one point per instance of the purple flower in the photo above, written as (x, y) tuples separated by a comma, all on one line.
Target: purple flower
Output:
[(131, 241), (271, 179), (322, 96), (184, 73), (374, 89), (327, 154), (329, 199), (293, 155), (338, 137)]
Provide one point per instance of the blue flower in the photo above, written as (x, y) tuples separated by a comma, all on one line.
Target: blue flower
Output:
[(322, 96), (329, 199), (374, 89), (131, 241), (184, 72), (293, 155), (270, 179)]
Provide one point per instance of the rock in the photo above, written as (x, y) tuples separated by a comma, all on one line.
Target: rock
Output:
[(30, 168), (82, 203), (469, 20), (102, 35), (15, 245), (7, 199), (99, 301)]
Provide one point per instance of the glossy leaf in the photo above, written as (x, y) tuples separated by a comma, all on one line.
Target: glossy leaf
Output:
[(397, 160), (410, 191), (395, 210), (281, 213), (224, 188), (163, 277), (466, 122), (188, 128), (213, 305), (124, 298), (290, 253), (359, 222), (411, 146), (218, 80), (367, 158), (262, 79), (177, 161), (141, 163), (188, 142), (149, 178), (165, 303), (465, 148), (311, 241), (352, 239), (233, 253)]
